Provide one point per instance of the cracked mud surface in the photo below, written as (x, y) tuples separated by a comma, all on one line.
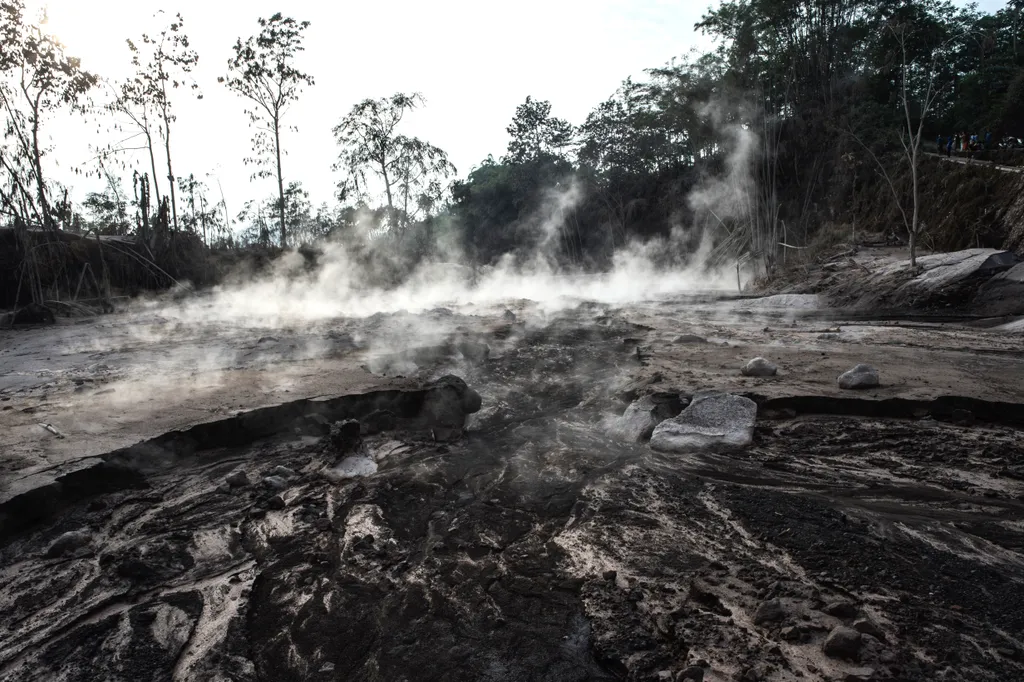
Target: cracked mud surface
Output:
[(540, 547)]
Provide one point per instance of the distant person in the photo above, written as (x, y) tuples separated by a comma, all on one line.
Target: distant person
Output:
[(938, 144), (956, 143), (949, 146), (988, 139)]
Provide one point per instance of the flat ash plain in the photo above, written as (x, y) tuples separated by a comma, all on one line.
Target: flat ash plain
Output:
[(536, 545)]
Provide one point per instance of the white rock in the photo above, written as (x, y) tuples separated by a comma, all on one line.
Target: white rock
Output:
[(712, 421), (638, 421), (759, 367), (861, 376)]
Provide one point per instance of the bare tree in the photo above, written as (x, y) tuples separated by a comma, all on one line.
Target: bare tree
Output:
[(262, 70), (38, 78), (162, 64), (910, 136)]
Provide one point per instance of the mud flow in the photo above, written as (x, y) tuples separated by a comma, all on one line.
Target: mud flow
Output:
[(466, 506)]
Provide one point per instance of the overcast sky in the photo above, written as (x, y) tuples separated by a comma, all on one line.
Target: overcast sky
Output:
[(473, 61)]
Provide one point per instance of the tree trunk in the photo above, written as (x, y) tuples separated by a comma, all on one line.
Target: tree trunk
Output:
[(280, 182), (915, 199), (387, 188), (170, 174), (152, 165), (44, 206)]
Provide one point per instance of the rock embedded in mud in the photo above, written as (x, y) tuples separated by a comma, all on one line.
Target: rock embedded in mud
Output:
[(869, 627), (446, 404), (694, 673), (712, 421), (861, 376), (841, 609), (759, 367), (689, 338), (345, 435), (637, 423), (275, 482), (283, 472), (237, 479), (843, 642), (769, 611), (68, 543)]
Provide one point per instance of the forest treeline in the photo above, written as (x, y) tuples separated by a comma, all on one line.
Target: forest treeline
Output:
[(759, 143)]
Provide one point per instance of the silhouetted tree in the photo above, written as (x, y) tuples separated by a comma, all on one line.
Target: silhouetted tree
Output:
[(263, 71)]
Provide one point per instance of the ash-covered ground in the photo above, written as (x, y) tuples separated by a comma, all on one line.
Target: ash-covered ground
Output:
[(863, 535)]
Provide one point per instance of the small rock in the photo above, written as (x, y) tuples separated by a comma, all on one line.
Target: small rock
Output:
[(610, 575), (237, 479), (345, 435), (327, 668), (276, 502), (224, 488), (68, 543), (509, 315), (283, 472), (869, 627), (689, 338), (759, 367), (768, 612), (694, 673), (861, 376), (275, 482), (842, 642), (841, 609), (790, 633), (639, 420)]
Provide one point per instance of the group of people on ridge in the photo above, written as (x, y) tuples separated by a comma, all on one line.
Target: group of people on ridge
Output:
[(962, 142)]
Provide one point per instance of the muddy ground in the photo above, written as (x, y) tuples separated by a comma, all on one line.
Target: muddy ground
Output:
[(536, 545)]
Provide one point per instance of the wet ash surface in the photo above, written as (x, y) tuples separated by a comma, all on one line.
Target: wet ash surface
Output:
[(539, 546)]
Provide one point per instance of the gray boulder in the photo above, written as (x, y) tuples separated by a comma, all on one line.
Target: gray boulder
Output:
[(759, 367), (638, 421), (712, 421), (842, 642), (861, 376), (237, 479), (769, 611)]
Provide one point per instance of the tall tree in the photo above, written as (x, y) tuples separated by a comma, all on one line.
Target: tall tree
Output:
[(263, 71), (37, 77), (163, 63), (410, 171)]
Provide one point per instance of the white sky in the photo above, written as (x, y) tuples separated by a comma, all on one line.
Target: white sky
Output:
[(473, 61)]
